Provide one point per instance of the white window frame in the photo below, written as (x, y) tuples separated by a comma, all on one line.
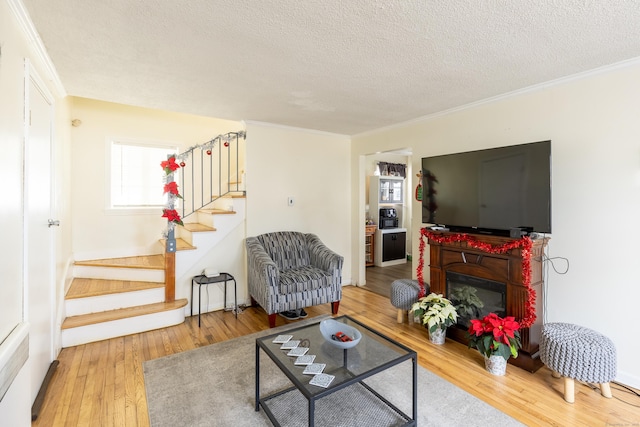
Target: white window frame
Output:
[(170, 146)]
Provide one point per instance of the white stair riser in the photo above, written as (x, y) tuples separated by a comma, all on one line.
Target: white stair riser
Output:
[(135, 274), (78, 306), (121, 327), (191, 237)]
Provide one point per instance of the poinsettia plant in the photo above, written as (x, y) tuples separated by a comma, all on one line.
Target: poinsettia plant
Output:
[(435, 311), (493, 335), (172, 216), (172, 188), (169, 166)]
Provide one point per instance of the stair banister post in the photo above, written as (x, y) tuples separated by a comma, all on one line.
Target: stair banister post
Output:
[(170, 253), (170, 268)]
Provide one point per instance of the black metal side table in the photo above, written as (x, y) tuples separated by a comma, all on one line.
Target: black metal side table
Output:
[(204, 280)]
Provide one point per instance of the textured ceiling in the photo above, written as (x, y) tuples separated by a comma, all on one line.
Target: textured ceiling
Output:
[(332, 65)]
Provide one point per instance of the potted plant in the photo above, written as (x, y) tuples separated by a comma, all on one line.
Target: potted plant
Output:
[(496, 339), (437, 314)]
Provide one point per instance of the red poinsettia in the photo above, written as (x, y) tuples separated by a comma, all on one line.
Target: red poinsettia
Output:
[(172, 187), (172, 216), (169, 165), (495, 335)]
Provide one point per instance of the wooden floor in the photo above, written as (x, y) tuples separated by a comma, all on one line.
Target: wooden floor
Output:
[(101, 384), (379, 279)]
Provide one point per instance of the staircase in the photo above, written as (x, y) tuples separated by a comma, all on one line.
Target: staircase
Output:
[(120, 296), (115, 297)]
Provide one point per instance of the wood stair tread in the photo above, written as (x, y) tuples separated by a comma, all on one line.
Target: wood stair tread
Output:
[(153, 262), (196, 227), (123, 313), (84, 287), (229, 196), (217, 212)]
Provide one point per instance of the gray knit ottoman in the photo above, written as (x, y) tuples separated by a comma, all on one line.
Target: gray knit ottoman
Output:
[(578, 353), (404, 292)]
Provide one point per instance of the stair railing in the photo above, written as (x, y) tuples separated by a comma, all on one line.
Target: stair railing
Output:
[(206, 172)]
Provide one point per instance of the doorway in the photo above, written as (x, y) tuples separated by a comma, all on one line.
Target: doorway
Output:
[(378, 279)]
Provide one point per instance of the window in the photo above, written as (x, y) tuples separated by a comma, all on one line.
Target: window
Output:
[(136, 176)]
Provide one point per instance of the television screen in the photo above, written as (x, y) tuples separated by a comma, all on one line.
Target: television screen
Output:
[(490, 190)]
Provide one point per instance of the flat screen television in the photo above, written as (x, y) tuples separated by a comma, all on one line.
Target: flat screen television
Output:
[(492, 191)]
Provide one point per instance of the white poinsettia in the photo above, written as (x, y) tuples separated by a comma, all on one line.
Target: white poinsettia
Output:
[(436, 312)]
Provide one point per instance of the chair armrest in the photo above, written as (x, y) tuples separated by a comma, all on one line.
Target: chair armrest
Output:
[(262, 272), (323, 257)]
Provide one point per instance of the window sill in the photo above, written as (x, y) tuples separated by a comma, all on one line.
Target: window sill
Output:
[(135, 211)]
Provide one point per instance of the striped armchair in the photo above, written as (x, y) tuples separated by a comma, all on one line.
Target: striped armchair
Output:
[(288, 270)]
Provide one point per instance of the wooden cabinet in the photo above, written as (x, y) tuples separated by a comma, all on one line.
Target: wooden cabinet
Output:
[(391, 247), (369, 244), (505, 268), (394, 246)]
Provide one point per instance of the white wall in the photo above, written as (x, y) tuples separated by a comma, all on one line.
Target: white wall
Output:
[(12, 54), (96, 232), (15, 47), (594, 127), (313, 168)]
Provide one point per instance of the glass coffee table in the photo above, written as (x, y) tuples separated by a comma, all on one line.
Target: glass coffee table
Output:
[(347, 395)]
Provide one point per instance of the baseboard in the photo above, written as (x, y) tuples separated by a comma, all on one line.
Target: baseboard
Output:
[(628, 379)]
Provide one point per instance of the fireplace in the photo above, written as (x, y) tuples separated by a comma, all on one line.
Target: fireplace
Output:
[(459, 270), (475, 297)]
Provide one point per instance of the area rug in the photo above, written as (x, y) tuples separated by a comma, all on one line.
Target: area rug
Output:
[(215, 386)]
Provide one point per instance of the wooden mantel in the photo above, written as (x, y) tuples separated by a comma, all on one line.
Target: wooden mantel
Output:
[(459, 257)]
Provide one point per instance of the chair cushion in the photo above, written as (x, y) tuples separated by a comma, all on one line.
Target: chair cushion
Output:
[(288, 249), (304, 278)]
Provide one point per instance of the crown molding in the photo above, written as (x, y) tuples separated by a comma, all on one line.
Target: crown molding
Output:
[(29, 30)]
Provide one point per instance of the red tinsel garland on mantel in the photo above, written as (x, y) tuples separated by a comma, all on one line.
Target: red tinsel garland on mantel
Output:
[(525, 243)]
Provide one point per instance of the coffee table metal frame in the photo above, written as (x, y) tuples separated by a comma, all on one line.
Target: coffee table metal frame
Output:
[(312, 395)]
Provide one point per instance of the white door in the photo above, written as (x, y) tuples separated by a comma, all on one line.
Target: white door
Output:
[(39, 248)]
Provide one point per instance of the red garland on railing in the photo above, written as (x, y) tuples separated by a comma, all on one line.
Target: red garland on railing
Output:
[(525, 243)]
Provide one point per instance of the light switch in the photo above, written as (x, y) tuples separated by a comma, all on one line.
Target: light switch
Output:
[(290, 201)]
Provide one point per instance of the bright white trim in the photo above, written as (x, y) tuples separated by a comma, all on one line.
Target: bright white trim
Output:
[(628, 379), (30, 32)]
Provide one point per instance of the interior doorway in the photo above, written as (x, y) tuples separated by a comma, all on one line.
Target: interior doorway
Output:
[(378, 279)]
